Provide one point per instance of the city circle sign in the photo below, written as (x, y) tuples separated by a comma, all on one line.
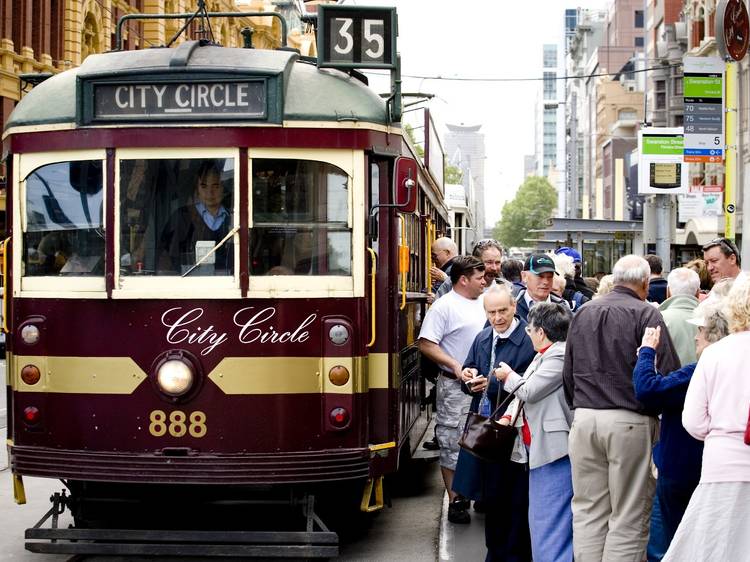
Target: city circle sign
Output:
[(733, 29)]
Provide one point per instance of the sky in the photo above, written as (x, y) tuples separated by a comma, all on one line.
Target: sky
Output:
[(488, 39)]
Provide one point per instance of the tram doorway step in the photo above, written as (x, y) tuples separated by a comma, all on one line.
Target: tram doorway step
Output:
[(316, 541)]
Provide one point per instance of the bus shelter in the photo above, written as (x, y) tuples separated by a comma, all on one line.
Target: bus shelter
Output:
[(600, 242)]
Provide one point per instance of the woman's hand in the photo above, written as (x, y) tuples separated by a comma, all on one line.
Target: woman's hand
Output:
[(502, 372), (651, 337)]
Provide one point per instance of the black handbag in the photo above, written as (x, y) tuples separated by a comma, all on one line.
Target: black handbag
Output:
[(488, 440)]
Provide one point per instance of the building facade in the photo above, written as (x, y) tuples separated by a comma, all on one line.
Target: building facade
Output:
[(464, 147)]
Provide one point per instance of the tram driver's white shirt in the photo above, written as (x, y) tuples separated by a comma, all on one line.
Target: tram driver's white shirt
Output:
[(453, 322)]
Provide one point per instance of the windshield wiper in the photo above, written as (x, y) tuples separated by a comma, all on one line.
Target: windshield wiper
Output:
[(219, 245)]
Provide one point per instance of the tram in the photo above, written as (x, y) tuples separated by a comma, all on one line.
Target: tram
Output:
[(214, 286)]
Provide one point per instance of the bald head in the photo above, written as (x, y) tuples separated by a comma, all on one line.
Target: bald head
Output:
[(443, 249)]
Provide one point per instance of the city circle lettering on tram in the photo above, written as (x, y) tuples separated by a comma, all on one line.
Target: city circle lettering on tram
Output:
[(245, 98)]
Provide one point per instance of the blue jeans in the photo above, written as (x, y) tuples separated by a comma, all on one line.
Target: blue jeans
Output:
[(658, 542)]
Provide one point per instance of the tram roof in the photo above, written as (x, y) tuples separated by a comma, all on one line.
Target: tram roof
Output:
[(308, 93)]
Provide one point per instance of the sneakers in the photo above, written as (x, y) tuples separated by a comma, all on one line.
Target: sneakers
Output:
[(431, 445), (458, 512)]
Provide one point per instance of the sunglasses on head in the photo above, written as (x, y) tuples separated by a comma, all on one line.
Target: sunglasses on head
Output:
[(725, 242), (486, 243)]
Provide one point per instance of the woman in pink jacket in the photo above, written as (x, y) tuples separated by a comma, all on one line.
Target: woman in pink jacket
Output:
[(716, 525)]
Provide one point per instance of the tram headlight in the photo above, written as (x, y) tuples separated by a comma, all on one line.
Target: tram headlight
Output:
[(175, 377), (338, 334), (30, 334)]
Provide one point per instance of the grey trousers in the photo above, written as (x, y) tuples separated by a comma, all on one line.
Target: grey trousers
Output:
[(613, 487)]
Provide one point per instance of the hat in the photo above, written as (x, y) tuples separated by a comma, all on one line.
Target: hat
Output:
[(539, 263), (569, 252)]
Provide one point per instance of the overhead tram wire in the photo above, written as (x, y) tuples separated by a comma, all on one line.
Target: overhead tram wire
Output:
[(536, 79)]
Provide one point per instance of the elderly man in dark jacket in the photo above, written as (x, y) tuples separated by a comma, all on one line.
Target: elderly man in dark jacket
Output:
[(502, 487), (612, 433)]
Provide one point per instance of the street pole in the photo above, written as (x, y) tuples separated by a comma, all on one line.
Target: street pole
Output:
[(573, 163), (730, 171), (663, 203)]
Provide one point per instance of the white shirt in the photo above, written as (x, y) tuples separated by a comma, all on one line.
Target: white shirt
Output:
[(453, 322), (529, 300), (506, 334)]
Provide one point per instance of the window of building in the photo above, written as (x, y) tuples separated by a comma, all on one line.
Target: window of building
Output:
[(639, 42), (627, 114), (638, 19), (550, 85), (678, 86), (550, 57)]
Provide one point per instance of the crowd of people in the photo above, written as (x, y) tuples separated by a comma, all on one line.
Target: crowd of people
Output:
[(630, 402)]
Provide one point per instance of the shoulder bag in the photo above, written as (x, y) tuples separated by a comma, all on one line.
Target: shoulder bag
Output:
[(488, 440)]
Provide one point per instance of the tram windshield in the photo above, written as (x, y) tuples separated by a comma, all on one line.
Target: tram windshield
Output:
[(300, 211), (64, 232), (176, 216)]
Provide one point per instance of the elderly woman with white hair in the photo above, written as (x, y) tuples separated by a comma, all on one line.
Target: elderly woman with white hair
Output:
[(716, 524), (677, 455)]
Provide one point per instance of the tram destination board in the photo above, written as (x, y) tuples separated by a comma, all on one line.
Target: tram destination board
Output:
[(703, 120), (176, 100), (356, 37)]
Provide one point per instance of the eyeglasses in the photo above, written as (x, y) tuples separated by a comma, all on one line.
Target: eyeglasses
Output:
[(725, 242)]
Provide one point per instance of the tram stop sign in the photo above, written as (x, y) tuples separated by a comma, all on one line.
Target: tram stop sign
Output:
[(356, 37)]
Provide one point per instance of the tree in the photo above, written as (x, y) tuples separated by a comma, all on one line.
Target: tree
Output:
[(530, 209), (453, 174)]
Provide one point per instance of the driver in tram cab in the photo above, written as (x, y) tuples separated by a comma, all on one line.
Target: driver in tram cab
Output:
[(194, 230)]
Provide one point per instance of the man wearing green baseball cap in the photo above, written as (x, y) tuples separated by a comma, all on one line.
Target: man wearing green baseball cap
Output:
[(538, 272)]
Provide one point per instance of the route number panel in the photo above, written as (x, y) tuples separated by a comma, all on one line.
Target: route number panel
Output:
[(356, 37)]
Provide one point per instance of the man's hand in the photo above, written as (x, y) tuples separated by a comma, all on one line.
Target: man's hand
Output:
[(477, 384), (502, 372), (468, 374), (437, 274)]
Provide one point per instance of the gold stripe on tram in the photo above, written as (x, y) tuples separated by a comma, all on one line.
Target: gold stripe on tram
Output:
[(233, 375)]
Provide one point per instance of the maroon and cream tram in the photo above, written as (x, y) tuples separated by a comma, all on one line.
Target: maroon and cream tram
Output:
[(212, 288)]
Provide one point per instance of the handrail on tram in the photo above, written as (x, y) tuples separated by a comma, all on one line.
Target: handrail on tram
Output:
[(373, 310), (5, 283), (127, 17), (430, 229), (403, 263)]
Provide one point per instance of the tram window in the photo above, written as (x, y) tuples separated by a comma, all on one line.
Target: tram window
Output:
[(300, 219), (173, 212), (64, 232)]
